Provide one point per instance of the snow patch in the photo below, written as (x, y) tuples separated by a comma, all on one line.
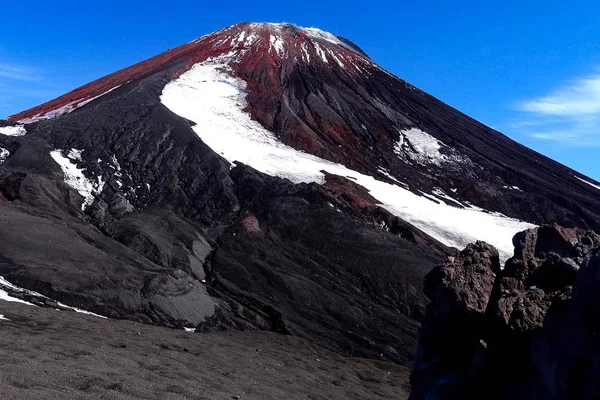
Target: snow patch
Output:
[(2, 318), (276, 42), (17, 130), (332, 54), (7, 297), (4, 295), (386, 173), (74, 154), (250, 39), (420, 147), (452, 201), (589, 183), (214, 100), (4, 153), (83, 103), (321, 53), (313, 33), (116, 165), (305, 52), (75, 178), (319, 34), (66, 109)]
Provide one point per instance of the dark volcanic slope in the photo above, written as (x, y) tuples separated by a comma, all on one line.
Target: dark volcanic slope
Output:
[(60, 355), (322, 94), (170, 234), (166, 240)]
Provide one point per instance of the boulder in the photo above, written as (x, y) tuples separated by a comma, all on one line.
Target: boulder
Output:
[(464, 283), (449, 347), (578, 365), (529, 331), (535, 246)]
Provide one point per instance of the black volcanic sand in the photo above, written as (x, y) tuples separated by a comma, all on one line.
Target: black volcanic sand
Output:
[(50, 354)]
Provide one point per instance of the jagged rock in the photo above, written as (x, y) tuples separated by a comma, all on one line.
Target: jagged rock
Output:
[(464, 283), (577, 374), (529, 341), (517, 311), (529, 312), (554, 274), (449, 342), (534, 247)]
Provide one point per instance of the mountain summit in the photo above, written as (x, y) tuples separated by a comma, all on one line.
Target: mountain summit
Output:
[(265, 177), (253, 44)]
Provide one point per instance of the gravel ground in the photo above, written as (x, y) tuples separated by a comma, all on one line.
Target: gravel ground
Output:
[(50, 354)]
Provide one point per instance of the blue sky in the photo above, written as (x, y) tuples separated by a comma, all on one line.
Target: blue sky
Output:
[(530, 69)]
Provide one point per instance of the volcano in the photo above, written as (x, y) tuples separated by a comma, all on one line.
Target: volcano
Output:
[(263, 177)]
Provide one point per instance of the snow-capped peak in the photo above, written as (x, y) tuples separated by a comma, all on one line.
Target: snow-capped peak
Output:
[(253, 42), (315, 34), (282, 41)]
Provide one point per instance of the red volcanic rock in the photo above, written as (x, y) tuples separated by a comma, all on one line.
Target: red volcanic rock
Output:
[(464, 283), (454, 323), (355, 194), (251, 224), (538, 321), (551, 247)]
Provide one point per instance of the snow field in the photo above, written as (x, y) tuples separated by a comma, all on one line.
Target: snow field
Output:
[(208, 95)]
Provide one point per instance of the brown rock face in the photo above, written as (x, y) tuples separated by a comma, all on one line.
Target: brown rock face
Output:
[(349, 191), (534, 246), (464, 283), (449, 339), (577, 375), (532, 331)]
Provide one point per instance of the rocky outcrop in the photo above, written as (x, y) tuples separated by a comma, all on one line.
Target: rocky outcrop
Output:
[(528, 331), (449, 339)]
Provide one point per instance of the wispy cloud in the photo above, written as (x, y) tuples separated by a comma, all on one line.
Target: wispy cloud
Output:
[(20, 87), (18, 73), (569, 114)]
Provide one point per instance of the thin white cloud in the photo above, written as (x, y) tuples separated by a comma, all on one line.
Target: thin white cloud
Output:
[(569, 114), (582, 97), (17, 73), (20, 86)]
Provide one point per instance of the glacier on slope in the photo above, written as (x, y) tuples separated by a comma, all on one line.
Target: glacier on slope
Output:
[(209, 96)]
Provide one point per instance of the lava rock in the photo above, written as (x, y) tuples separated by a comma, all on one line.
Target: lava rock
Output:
[(578, 371), (554, 274), (464, 283), (449, 347), (550, 243), (528, 341)]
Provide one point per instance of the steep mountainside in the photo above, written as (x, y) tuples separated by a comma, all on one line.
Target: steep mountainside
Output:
[(263, 177)]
